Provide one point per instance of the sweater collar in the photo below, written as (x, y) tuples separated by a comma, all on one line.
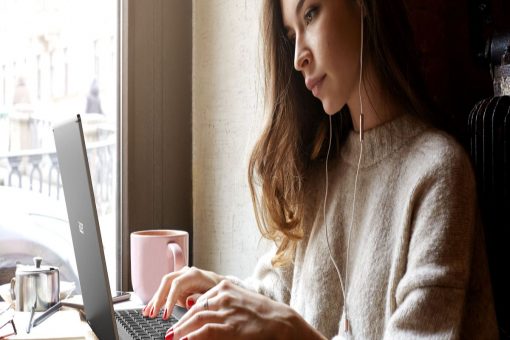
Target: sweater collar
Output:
[(381, 141)]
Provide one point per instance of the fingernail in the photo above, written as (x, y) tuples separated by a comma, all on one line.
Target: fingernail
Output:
[(143, 310), (152, 312), (185, 338), (191, 302), (165, 314), (169, 334)]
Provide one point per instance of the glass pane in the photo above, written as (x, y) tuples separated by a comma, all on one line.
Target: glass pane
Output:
[(59, 58)]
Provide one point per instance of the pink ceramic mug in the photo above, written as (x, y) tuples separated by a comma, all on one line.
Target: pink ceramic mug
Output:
[(155, 253)]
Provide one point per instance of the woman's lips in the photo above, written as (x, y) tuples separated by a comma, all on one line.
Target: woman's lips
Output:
[(313, 84)]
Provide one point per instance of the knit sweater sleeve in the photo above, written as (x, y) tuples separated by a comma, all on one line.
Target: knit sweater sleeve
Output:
[(435, 252), (275, 283)]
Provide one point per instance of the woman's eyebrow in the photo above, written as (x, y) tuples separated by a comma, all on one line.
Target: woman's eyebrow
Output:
[(298, 8), (299, 5)]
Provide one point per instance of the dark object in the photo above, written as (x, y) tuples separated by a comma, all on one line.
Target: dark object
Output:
[(501, 72), (84, 224), (6, 274), (119, 296), (481, 23), (498, 47), (133, 322), (489, 144), (489, 127)]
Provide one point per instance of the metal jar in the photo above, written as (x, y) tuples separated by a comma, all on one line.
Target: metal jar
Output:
[(35, 286)]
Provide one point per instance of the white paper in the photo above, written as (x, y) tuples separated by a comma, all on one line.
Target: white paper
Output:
[(64, 324)]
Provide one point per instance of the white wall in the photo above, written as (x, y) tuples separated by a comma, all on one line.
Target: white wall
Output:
[(227, 114)]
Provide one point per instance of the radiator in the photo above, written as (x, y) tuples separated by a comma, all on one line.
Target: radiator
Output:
[(489, 133)]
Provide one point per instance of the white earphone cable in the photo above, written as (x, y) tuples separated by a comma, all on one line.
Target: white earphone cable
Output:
[(324, 213), (361, 132)]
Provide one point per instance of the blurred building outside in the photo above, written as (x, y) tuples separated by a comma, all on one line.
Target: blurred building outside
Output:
[(58, 59)]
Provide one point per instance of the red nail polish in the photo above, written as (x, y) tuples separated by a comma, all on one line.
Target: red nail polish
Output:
[(190, 303), (152, 312), (185, 338), (169, 334), (165, 314), (143, 310)]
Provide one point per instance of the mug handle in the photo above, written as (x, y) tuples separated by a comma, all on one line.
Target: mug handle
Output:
[(178, 256)]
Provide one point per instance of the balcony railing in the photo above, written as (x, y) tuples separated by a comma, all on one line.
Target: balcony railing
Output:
[(38, 170)]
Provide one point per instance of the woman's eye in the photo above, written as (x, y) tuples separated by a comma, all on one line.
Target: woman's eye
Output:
[(310, 14)]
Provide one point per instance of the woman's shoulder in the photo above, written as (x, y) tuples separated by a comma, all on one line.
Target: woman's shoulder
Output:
[(434, 150), (438, 144)]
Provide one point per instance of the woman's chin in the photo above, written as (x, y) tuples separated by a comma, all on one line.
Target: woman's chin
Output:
[(330, 108)]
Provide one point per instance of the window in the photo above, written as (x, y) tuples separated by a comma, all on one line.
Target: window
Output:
[(3, 85), (66, 73), (38, 77), (51, 53)]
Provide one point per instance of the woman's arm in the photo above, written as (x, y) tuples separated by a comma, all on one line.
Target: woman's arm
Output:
[(430, 299), (230, 312), (275, 283), (183, 286)]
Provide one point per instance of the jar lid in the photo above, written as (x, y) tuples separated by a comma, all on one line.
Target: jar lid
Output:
[(36, 268)]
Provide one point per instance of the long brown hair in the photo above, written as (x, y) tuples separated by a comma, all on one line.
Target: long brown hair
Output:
[(295, 135)]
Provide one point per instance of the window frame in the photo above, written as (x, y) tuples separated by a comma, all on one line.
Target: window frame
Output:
[(154, 139)]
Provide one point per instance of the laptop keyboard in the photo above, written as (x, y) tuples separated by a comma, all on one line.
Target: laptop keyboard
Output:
[(140, 327)]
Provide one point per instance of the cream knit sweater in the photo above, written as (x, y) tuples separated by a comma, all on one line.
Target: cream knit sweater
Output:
[(417, 265)]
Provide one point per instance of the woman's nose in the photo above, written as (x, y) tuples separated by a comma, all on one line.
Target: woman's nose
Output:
[(302, 55)]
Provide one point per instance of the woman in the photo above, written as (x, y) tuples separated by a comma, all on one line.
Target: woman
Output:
[(382, 242)]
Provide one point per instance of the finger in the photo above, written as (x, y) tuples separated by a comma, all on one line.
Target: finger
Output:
[(202, 305), (203, 320), (214, 299), (148, 310), (210, 331), (152, 308), (154, 305), (191, 300), (214, 291), (176, 290), (180, 288)]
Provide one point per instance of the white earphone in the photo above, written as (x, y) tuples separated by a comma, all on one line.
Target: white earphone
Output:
[(347, 326)]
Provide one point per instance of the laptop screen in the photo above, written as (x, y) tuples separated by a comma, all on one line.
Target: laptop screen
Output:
[(84, 224)]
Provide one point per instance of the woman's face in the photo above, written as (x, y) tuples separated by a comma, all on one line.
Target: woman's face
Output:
[(326, 34)]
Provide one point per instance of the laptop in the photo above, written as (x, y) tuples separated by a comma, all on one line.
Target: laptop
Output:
[(88, 246)]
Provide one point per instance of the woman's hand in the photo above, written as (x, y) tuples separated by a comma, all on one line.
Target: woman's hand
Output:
[(177, 286), (228, 311)]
